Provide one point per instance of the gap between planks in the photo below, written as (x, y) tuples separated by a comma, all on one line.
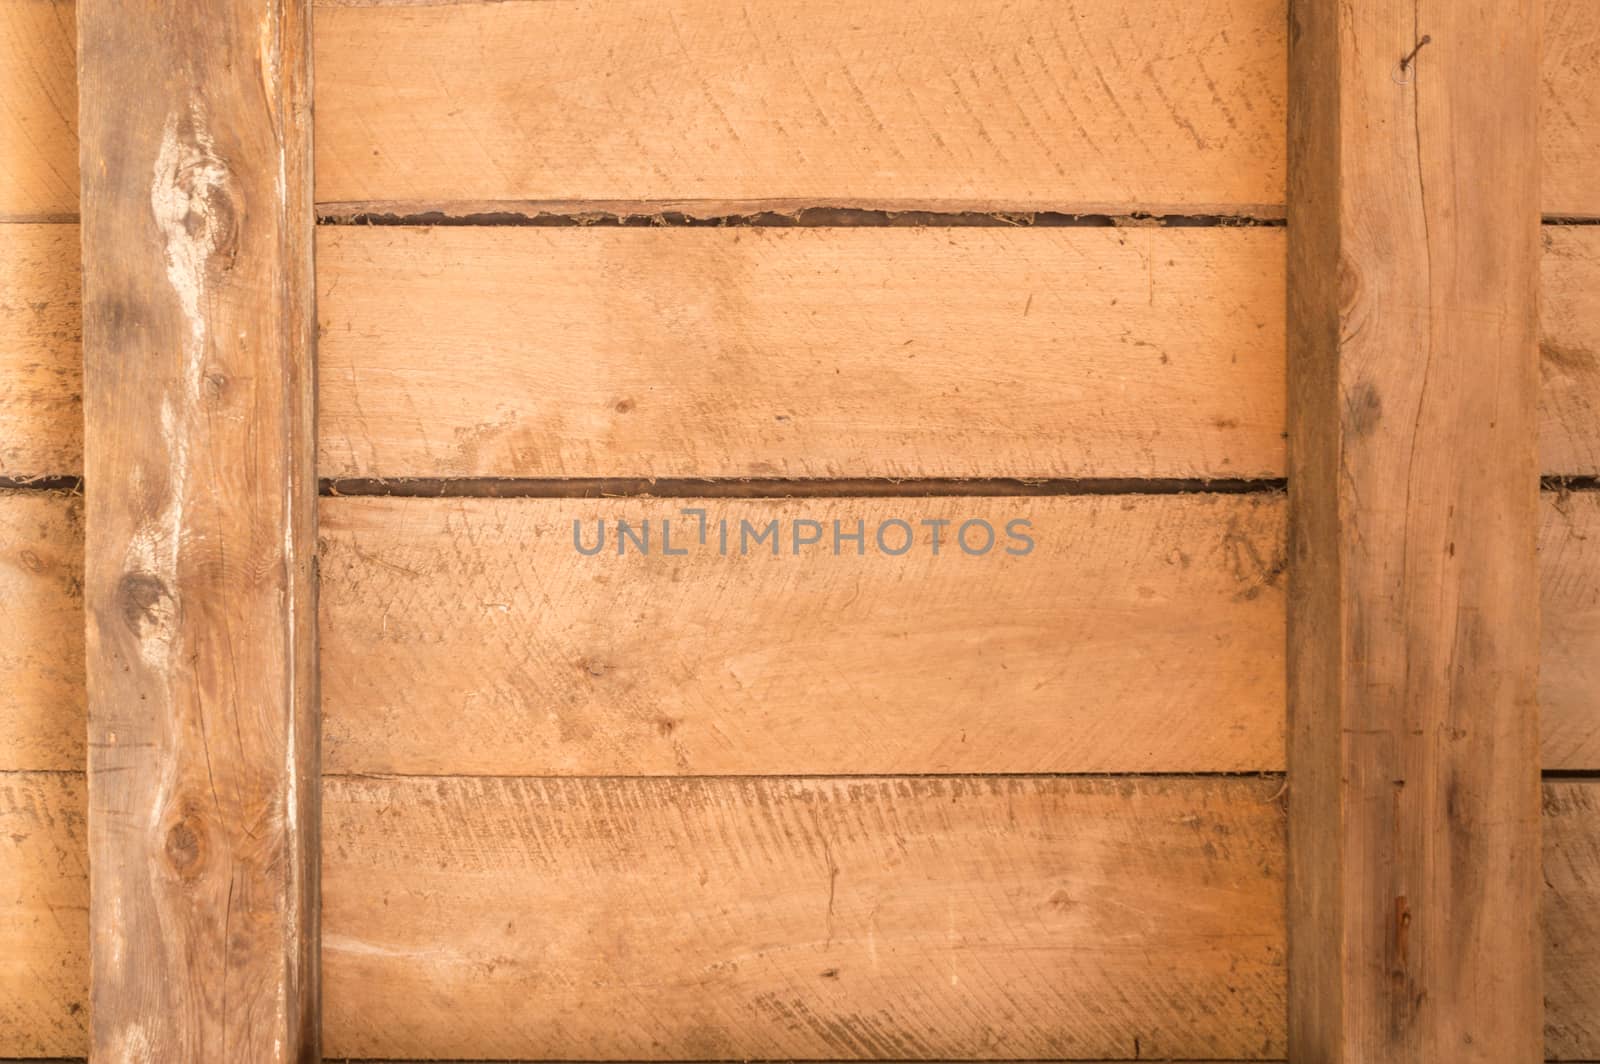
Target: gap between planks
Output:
[(813, 777), (782, 488), (669, 214), (691, 488)]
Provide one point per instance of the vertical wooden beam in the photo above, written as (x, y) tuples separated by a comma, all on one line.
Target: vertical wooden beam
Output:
[(198, 330), (1414, 774)]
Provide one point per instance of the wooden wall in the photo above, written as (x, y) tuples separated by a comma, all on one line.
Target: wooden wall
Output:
[(823, 808)]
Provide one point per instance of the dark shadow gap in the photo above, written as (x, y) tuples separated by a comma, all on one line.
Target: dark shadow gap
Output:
[(734, 777), (643, 216), (68, 484), (734, 488)]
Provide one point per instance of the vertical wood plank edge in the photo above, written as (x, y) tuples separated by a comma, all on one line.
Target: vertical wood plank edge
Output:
[(199, 324), (1413, 227)]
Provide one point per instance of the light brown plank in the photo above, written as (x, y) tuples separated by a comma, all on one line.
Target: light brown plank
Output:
[(1140, 634), (1084, 105), (1144, 634), (1569, 391), (381, 380), (1414, 613), (1037, 104), (1569, 113), (198, 348), (800, 352), (44, 892), (1569, 661), (395, 691), (38, 110), (1572, 919), (723, 919), (41, 356), (41, 631), (44, 915)]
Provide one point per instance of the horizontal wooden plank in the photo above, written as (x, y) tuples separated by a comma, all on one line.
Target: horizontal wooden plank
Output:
[(1162, 105), (1569, 390), (1168, 105), (1569, 115), (1140, 634), (497, 352), (717, 919), (42, 722), (38, 109), (800, 352), (41, 354), (1569, 673), (858, 352), (1572, 919), (468, 636), (44, 915), (586, 870)]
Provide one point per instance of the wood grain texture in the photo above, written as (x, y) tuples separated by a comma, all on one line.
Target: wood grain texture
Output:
[(1413, 614), (1080, 105), (38, 110), (1569, 659), (44, 915), (41, 631), (41, 354), (406, 380), (1032, 104), (1572, 919), (492, 842), (800, 352), (1569, 387), (198, 346), (1569, 113), (723, 919), (1140, 634)]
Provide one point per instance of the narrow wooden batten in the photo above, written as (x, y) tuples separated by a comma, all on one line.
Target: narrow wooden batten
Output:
[(1413, 618), (198, 332)]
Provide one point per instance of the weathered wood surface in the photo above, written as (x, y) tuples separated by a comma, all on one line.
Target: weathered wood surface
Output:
[(488, 831), (41, 354), (404, 382), (38, 110), (1569, 657), (495, 668), (44, 915), (1414, 613), (1569, 112), (826, 352), (1163, 105), (1569, 387), (801, 352), (41, 631), (1140, 634), (819, 919), (1081, 103), (198, 333), (1571, 824)]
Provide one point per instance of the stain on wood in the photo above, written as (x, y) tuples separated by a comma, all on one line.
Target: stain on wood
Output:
[(198, 333)]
